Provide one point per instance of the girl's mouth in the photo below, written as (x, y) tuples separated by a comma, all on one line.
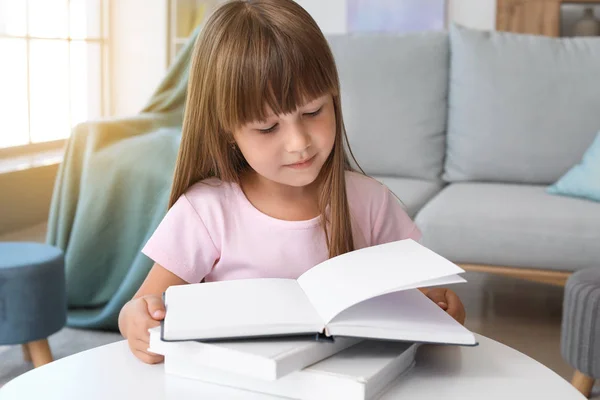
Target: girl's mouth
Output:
[(302, 164)]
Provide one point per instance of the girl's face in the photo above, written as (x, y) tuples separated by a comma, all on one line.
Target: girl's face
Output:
[(290, 149)]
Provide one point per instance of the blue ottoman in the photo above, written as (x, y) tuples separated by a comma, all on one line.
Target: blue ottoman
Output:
[(33, 301), (580, 335)]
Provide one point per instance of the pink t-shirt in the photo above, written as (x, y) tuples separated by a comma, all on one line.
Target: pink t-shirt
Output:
[(214, 233)]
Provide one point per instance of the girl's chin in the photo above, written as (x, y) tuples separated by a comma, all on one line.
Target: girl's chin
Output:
[(297, 178)]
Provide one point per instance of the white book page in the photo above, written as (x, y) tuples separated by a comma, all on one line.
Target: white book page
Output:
[(341, 282), (238, 308), (408, 315), (446, 280)]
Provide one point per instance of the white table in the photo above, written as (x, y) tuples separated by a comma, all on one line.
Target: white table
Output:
[(490, 370)]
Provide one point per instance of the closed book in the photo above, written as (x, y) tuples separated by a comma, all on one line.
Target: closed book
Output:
[(266, 359), (361, 372)]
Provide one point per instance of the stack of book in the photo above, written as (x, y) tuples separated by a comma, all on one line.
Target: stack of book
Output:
[(346, 328)]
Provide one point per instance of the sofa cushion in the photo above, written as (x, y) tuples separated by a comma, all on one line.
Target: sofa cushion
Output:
[(413, 193), (512, 225), (583, 180), (394, 100), (523, 108)]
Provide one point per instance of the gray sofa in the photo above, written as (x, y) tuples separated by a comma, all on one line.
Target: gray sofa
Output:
[(468, 128)]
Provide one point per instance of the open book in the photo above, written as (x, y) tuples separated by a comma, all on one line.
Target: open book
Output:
[(364, 293)]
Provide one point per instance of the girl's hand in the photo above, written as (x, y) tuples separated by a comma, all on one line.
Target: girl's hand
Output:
[(448, 301), (136, 317)]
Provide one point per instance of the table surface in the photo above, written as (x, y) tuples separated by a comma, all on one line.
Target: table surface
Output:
[(490, 370)]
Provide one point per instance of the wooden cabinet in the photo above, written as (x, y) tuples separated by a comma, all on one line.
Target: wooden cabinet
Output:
[(539, 17)]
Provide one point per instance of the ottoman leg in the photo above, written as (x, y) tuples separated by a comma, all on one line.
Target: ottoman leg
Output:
[(26, 354), (583, 383), (40, 352)]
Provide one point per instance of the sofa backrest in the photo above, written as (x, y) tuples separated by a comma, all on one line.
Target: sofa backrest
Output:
[(394, 100), (522, 108)]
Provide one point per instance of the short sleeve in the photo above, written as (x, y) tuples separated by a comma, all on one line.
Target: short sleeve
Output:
[(392, 222), (182, 244)]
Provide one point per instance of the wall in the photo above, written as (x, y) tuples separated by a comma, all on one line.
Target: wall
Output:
[(476, 14), (25, 198), (330, 15), (138, 52)]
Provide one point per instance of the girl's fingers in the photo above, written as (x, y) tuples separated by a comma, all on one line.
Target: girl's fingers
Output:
[(148, 358), (455, 307), (156, 308), (149, 323), (139, 347), (448, 301), (141, 344), (142, 324), (438, 296)]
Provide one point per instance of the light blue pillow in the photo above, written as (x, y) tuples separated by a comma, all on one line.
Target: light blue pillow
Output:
[(583, 180)]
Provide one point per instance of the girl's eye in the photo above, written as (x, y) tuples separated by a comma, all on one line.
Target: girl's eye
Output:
[(268, 130), (314, 113)]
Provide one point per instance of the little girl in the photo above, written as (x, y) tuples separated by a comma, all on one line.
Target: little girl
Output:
[(263, 186)]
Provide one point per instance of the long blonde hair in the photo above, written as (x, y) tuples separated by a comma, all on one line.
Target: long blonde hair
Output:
[(251, 54)]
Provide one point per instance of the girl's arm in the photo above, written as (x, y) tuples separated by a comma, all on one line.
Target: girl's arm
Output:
[(157, 281)]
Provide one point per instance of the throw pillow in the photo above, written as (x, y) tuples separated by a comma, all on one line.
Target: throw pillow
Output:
[(583, 180)]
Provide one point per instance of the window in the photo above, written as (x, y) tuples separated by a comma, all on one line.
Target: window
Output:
[(52, 70)]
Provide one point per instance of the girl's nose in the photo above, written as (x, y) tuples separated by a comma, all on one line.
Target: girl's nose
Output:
[(298, 139)]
